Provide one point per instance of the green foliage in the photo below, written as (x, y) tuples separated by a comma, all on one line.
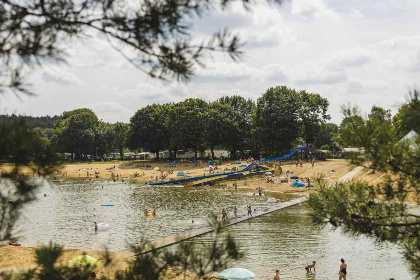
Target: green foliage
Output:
[(283, 114), (313, 113), (220, 125), (408, 116), (326, 136), (380, 211), (276, 119), (75, 132), (155, 36), (120, 133), (187, 123), (32, 122), (149, 130), (23, 147), (241, 115), (104, 139)]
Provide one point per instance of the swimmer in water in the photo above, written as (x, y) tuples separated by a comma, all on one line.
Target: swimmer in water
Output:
[(309, 267), (154, 212), (96, 226), (146, 212)]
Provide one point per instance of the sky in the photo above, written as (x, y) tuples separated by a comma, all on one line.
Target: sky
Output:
[(353, 52)]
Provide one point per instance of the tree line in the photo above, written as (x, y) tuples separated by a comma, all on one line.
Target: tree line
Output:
[(280, 119)]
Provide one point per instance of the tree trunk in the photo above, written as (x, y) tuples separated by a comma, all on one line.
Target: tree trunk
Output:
[(121, 153), (174, 155), (157, 155), (212, 152), (195, 155)]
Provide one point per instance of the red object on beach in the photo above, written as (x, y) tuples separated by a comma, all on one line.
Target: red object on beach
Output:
[(16, 244)]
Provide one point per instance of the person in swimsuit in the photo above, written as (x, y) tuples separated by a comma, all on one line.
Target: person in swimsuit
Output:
[(277, 276), (224, 215), (343, 270), (249, 211), (310, 266)]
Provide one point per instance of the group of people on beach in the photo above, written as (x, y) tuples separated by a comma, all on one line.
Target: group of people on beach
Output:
[(311, 270)]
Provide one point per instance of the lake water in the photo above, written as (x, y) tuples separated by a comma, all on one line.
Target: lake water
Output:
[(68, 212), (286, 239)]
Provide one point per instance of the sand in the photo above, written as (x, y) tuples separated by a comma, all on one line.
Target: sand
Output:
[(19, 259), (23, 258), (126, 170), (341, 167)]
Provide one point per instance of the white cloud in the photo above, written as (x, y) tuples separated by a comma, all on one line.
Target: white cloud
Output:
[(313, 9), (58, 75), (415, 63), (232, 72), (276, 72), (111, 111), (350, 58), (340, 49)]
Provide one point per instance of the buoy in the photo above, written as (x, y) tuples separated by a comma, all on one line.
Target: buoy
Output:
[(107, 205)]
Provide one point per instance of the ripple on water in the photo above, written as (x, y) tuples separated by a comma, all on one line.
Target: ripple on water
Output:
[(285, 239), (288, 240), (67, 214)]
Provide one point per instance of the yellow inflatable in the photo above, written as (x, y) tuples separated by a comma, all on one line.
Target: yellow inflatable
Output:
[(150, 214)]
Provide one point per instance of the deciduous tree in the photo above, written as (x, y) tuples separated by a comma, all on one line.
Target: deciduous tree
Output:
[(148, 129)]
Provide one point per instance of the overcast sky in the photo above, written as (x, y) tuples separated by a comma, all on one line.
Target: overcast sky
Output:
[(364, 52)]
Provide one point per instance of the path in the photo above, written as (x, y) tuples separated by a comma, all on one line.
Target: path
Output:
[(351, 174), (170, 240)]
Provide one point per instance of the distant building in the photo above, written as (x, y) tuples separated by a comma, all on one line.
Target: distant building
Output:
[(353, 150), (411, 138)]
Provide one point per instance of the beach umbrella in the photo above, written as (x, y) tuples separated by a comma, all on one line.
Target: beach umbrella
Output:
[(180, 173), (237, 273), (85, 260)]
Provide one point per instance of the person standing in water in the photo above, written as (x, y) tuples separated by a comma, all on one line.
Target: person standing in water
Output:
[(249, 211), (277, 276), (310, 266), (224, 214), (343, 270), (235, 211)]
